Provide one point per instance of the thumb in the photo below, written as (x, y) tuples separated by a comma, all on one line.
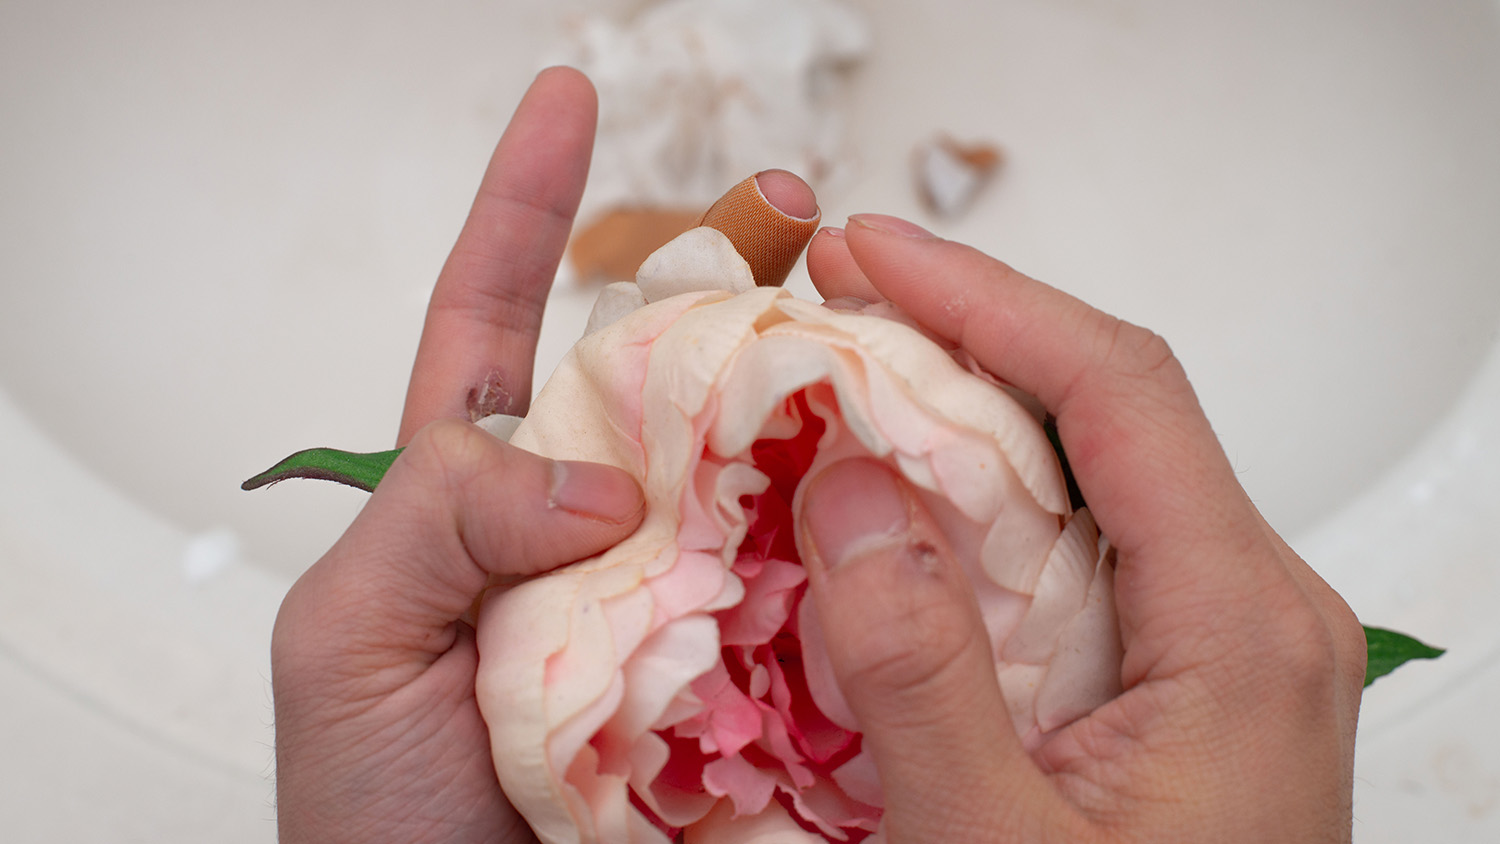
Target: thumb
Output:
[(911, 655), (457, 509)]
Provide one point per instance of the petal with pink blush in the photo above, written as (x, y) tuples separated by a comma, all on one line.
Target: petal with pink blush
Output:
[(659, 671), (749, 787), (679, 680), (731, 720), (769, 597), (674, 805), (860, 780), (772, 826), (690, 585)]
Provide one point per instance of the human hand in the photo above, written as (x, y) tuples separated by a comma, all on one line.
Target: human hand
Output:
[(1242, 668), (378, 736)]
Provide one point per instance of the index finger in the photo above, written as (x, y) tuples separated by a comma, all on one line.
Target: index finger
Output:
[(479, 339)]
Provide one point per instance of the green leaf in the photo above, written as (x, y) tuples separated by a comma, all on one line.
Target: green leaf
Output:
[(361, 471), (1389, 650)]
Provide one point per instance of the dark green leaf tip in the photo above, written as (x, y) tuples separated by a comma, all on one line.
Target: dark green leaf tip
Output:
[(1389, 650), (361, 471)]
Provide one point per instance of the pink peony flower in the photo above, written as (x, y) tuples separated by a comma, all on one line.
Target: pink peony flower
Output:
[(675, 688)]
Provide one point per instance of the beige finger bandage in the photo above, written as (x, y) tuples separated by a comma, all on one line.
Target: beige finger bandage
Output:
[(767, 238)]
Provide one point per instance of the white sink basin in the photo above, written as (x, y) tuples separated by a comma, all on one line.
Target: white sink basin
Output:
[(221, 223)]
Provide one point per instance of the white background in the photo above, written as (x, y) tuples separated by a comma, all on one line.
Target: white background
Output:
[(219, 224)]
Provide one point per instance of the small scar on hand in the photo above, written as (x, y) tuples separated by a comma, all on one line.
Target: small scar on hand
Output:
[(489, 398)]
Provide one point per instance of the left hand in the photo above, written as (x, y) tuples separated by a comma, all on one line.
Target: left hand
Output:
[(378, 736)]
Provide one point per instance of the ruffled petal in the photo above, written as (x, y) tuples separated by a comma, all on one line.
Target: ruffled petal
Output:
[(860, 780), (772, 826), (1058, 593), (747, 786), (615, 301), (699, 259), (660, 669), (1084, 673), (679, 680), (768, 603)]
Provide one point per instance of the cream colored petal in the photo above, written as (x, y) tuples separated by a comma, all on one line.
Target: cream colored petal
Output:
[(548, 673), (1016, 547), (698, 259), (584, 681), (1058, 592), (712, 516), (1019, 683), (660, 669), (690, 584), (686, 361), (591, 406), (763, 376), (524, 628), (601, 805), (616, 300), (646, 392), (585, 785), (957, 395), (500, 425), (1085, 672)]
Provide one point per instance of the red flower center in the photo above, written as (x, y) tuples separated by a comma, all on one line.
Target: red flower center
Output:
[(760, 736)]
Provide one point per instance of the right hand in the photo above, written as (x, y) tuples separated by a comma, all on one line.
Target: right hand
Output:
[(1242, 669)]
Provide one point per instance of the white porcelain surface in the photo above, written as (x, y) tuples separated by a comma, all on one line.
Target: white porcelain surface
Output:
[(220, 223)]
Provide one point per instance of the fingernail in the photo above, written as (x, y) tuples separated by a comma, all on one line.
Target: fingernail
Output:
[(852, 304), (787, 193), (594, 491), (832, 231), (891, 225), (850, 507)]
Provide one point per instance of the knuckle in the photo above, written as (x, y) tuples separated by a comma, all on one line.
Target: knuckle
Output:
[(1309, 656), (447, 448), (500, 308), (287, 631), (445, 468), (1133, 350), (1305, 649), (1351, 649), (1319, 642), (1126, 359), (915, 670)]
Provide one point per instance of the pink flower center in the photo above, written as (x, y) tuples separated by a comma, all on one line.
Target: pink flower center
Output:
[(760, 737)]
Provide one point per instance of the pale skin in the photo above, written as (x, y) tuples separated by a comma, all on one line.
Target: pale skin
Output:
[(1242, 668)]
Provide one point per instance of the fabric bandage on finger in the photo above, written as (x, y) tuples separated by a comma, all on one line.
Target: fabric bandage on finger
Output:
[(767, 238)]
